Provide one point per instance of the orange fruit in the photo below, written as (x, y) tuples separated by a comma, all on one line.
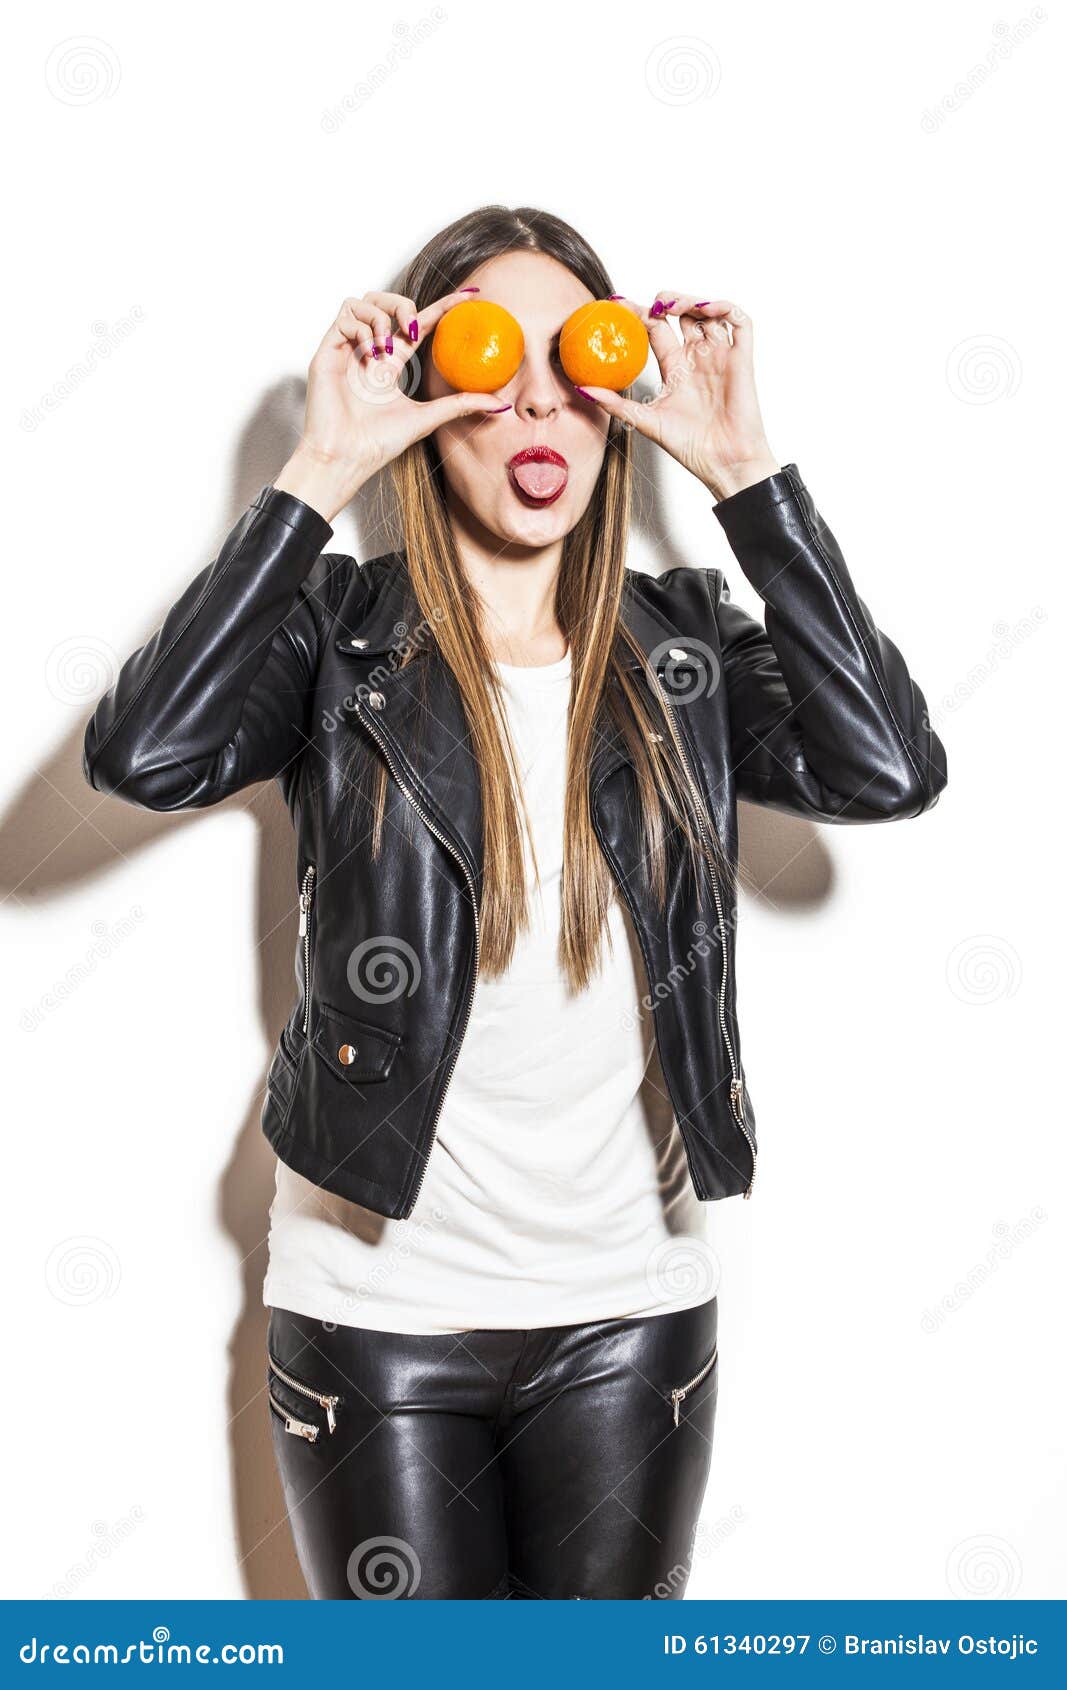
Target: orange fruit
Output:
[(603, 344), (477, 346)]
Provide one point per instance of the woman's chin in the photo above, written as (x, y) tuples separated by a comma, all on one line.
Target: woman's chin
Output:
[(526, 526)]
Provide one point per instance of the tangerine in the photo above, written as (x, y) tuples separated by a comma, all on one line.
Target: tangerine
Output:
[(603, 344), (477, 346)]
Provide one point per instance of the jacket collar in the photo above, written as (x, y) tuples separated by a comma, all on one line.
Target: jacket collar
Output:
[(392, 617)]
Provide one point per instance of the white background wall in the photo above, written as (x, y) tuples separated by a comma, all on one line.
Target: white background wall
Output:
[(194, 195)]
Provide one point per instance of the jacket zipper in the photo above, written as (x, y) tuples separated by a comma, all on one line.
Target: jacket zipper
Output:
[(461, 860), (306, 888), (326, 1402), (737, 1102), (299, 1428), (680, 1392)]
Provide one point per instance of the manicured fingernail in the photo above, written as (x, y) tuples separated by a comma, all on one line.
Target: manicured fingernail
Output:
[(470, 290), (671, 303), (498, 410), (374, 348), (657, 309), (591, 398), (388, 343), (413, 331), (698, 303), (616, 296)]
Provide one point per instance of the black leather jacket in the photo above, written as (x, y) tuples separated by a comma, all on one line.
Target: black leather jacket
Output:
[(278, 652)]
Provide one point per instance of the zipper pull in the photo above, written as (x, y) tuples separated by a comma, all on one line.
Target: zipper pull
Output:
[(736, 1101), (329, 1404), (305, 905)]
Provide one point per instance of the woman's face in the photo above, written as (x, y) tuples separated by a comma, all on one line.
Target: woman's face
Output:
[(531, 506)]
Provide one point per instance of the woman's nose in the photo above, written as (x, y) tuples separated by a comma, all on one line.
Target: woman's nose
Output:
[(537, 390)]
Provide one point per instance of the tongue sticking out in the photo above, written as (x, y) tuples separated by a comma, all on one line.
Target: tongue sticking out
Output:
[(539, 480)]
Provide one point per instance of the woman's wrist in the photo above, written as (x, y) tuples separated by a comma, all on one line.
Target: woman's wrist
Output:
[(727, 479), (321, 481)]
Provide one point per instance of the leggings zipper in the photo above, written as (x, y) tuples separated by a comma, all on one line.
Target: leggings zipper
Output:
[(327, 1402), (680, 1392)]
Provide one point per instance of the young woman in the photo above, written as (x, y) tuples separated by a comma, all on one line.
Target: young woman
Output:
[(512, 1078)]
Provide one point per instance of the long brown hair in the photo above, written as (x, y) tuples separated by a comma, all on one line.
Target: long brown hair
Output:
[(588, 603)]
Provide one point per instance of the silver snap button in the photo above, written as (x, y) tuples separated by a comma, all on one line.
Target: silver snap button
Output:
[(357, 642), (677, 652), (376, 700), (347, 1055)]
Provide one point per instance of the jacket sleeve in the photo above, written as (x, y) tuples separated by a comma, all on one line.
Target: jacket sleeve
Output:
[(825, 720), (218, 698)]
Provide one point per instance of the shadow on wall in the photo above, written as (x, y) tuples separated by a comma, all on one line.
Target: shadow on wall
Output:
[(783, 864)]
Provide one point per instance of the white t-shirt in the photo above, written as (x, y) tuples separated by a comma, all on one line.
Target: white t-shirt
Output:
[(557, 1191)]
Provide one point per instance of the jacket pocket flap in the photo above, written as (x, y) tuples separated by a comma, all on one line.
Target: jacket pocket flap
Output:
[(356, 1050)]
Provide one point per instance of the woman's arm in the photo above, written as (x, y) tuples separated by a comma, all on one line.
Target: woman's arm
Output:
[(218, 697), (825, 720)]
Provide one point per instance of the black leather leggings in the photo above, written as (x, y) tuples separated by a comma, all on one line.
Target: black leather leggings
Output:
[(550, 1463)]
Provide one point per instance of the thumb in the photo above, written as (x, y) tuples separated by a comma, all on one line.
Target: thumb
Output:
[(432, 413), (630, 411)]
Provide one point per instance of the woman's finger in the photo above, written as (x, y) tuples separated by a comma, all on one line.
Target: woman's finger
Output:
[(432, 413), (631, 411), (430, 315), (403, 310), (661, 337), (348, 329), (734, 321)]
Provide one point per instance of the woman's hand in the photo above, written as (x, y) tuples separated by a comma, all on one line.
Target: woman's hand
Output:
[(358, 414), (707, 414)]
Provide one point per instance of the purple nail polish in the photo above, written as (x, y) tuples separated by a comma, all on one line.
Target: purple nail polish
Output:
[(657, 309), (389, 343), (585, 395), (413, 331), (701, 302), (498, 410), (470, 290), (616, 296), (374, 348), (671, 303)]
